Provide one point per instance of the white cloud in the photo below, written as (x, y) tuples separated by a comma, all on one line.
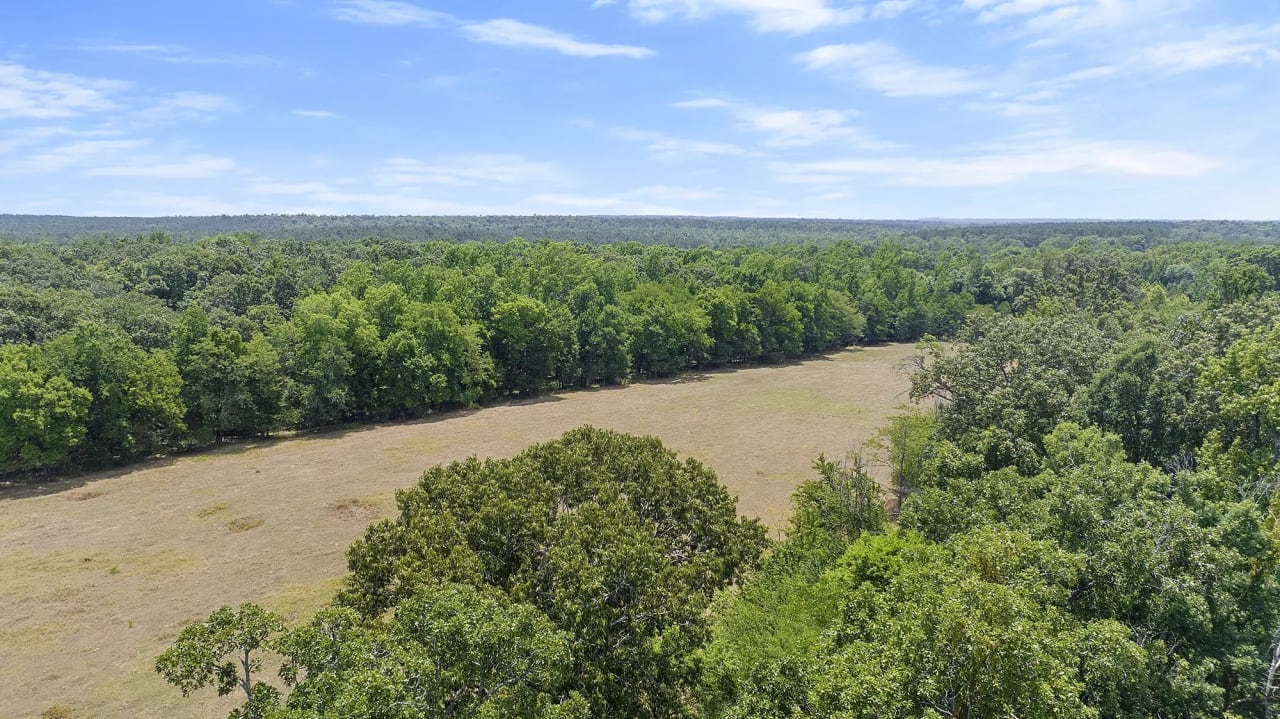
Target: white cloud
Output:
[(64, 156), (881, 67), (13, 141), (790, 128), (789, 16), (1059, 18), (1018, 109), (325, 198), (1241, 45), (648, 200), (37, 94), (889, 9), (1005, 165), (319, 114), (473, 169), (194, 167), (499, 31), (146, 203), (676, 148), (388, 12), (178, 54), (513, 33), (186, 106)]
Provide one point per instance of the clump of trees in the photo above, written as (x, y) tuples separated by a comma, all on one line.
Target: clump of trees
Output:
[(572, 580), (1087, 528)]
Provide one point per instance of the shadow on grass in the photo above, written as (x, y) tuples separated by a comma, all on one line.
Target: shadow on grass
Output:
[(36, 484)]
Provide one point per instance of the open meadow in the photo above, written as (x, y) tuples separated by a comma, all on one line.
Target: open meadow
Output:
[(101, 572)]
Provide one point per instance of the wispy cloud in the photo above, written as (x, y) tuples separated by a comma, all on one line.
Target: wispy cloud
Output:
[(498, 31), (676, 148), (13, 141), (29, 93), (1008, 164), (882, 67), (62, 157), (785, 128), (513, 33), (333, 198), (1238, 45), (1057, 19), (472, 169), (786, 16), (193, 167), (177, 54), (186, 106), (388, 12), (651, 200), (319, 114)]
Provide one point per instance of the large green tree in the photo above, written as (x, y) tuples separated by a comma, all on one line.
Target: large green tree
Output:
[(617, 542), (137, 406), (42, 415)]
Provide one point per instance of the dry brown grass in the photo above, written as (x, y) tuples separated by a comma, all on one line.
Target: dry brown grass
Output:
[(94, 590), (244, 524), (84, 495)]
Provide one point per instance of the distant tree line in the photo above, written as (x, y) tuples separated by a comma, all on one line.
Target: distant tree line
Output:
[(611, 229), (117, 349)]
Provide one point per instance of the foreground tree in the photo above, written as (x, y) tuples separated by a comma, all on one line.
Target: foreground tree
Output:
[(224, 652), (616, 541), (572, 580), (450, 651)]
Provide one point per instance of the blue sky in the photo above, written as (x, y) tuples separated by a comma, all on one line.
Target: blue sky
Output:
[(814, 108)]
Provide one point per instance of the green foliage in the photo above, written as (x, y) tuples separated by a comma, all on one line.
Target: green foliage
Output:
[(451, 650), (224, 652), (136, 406), (1243, 389), (1009, 383), (1136, 398), (42, 416), (906, 445), (669, 329), (529, 341), (843, 502), (616, 541)]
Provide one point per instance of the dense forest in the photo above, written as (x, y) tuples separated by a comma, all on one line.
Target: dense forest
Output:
[(1081, 519), (115, 349), (646, 229)]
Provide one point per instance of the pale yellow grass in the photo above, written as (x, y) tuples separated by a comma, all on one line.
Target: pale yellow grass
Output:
[(99, 574)]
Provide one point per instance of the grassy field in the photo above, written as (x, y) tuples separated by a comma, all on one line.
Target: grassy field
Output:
[(99, 573)]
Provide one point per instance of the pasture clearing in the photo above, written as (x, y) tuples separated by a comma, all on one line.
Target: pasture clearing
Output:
[(99, 573)]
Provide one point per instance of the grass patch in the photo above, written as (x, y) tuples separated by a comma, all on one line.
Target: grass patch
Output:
[(57, 711), (356, 508), (297, 602), (86, 494), (210, 511), (244, 524)]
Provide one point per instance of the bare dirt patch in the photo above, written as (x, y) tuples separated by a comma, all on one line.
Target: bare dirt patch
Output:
[(95, 589), (358, 509)]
